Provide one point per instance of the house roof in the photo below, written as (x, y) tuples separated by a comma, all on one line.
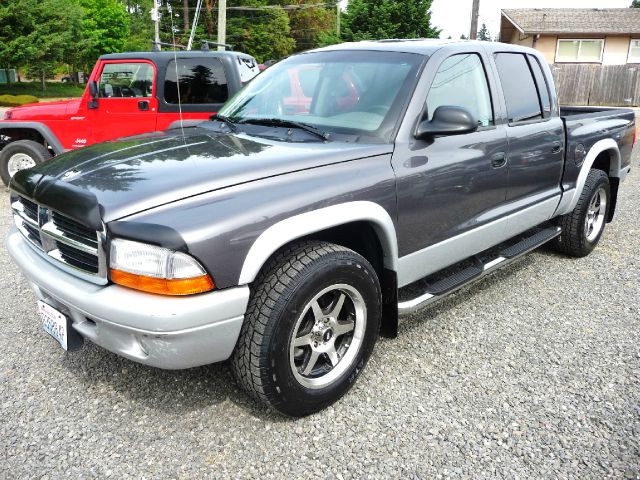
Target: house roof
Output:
[(574, 20)]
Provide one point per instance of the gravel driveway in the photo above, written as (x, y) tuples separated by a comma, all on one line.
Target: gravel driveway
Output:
[(531, 373)]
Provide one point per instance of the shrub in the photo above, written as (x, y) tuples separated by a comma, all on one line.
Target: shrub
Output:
[(16, 100)]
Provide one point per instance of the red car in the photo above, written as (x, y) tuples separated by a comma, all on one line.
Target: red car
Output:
[(302, 82), (127, 94)]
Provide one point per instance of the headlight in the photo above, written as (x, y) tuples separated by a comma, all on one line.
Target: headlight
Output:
[(156, 270)]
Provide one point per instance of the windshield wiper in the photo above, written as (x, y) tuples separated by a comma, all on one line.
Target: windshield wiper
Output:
[(280, 122), (232, 126)]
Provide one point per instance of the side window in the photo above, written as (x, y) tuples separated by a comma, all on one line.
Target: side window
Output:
[(461, 81), (541, 84), (126, 80), (200, 81), (520, 92)]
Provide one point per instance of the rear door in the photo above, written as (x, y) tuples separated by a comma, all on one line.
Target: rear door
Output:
[(126, 99), (536, 140)]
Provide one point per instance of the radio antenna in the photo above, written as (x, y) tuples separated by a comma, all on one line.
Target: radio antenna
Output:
[(175, 62)]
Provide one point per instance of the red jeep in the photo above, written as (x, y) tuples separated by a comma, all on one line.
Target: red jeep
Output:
[(127, 94)]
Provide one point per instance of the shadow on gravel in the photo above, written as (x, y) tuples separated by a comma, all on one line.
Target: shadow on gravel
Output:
[(173, 392)]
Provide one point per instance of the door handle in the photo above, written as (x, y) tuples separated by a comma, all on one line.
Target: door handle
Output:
[(143, 105), (498, 160), (556, 147)]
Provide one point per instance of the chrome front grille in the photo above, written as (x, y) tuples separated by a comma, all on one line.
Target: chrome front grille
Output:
[(74, 247)]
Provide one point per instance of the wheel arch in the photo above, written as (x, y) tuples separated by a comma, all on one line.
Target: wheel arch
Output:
[(362, 226), (32, 131), (603, 155), (609, 162)]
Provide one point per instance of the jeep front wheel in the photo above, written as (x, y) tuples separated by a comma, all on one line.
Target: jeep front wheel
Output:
[(20, 155), (310, 327)]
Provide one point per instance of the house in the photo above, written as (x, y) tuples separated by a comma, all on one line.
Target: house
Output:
[(605, 36)]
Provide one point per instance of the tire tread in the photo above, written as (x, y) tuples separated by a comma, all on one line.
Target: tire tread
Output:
[(272, 281), (572, 240)]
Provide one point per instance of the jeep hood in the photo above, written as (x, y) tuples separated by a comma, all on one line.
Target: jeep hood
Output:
[(116, 179), (44, 110)]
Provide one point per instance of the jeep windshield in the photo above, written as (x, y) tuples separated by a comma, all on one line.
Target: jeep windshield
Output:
[(337, 94)]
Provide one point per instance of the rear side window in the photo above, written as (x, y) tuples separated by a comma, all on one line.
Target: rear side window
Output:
[(541, 84), (461, 81), (199, 80), (520, 93)]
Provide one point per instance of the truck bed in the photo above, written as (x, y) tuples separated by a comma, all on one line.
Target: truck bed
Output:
[(593, 112), (585, 126)]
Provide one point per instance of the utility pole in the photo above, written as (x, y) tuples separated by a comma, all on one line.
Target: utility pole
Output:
[(185, 15), (222, 24), (338, 18), (473, 31), (155, 18)]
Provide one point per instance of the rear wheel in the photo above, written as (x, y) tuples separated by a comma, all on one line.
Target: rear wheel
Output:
[(582, 228), (310, 327), (20, 155)]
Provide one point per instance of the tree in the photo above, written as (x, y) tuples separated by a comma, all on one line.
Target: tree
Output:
[(105, 29), (264, 33), (635, 4), (311, 23), (140, 25), (40, 33), (483, 33), (378, 19)]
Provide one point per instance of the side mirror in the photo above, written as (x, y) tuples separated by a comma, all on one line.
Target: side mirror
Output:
[(447, 120), (93, 91)]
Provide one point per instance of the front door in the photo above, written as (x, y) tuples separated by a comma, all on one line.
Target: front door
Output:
[(126, 100), (450, 188)]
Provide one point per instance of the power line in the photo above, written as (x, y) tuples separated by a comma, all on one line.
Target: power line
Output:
[(275, 7)]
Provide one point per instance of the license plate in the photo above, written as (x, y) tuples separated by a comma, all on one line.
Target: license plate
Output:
[(54, 323)]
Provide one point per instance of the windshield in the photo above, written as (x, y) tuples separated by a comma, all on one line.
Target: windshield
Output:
[(349, 92)]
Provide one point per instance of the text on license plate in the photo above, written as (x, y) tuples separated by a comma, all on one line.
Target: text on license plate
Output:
[(54, 323)]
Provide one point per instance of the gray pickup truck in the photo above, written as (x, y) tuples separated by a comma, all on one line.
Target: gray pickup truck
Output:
[(341, 189)]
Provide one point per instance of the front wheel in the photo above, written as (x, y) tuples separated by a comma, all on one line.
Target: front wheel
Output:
[(310, 327), (582, 228), (20, 155)]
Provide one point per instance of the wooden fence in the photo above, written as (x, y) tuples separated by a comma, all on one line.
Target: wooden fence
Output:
[(583, 84)]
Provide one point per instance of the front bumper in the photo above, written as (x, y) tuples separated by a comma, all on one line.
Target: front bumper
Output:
[(164, 332)]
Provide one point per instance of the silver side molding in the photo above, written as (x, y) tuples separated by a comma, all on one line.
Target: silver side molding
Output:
[(424, 262)]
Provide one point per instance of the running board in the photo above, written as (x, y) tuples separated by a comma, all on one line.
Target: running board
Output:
[(479, 269)]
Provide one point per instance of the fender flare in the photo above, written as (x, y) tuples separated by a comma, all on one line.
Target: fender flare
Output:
[(42, 129), (314, 221), (570, 198)]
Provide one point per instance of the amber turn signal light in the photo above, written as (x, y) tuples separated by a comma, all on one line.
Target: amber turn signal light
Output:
[(163, 286)]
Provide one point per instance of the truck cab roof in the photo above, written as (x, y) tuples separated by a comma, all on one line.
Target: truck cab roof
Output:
[(425, 46)]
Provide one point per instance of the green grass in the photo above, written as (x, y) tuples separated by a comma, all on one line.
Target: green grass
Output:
[(54, 90)]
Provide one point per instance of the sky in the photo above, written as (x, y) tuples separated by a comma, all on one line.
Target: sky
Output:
[(454, 16)]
